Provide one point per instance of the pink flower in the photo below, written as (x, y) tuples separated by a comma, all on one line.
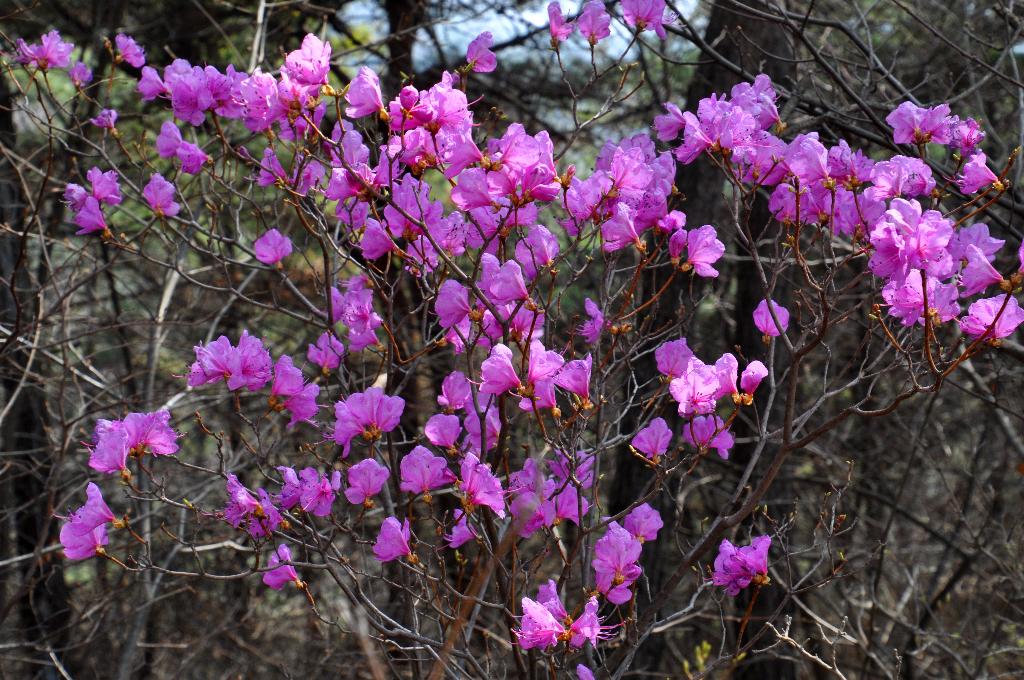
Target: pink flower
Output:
[(272, 247), (462, 531), (507, 283), (592, 327), (106, 119), (279, 573), (594, 22), (765, 322), (752, 376), (247, 365), (159, 193), (80, 74), (169, 139), (964, 135), (477, 441), (653, 441), (695, 389), (310, 490), (452, 303), (538, 627), (480, 487), (703, 249), (914, 125), (192, 158), (615, 567), (443, 430), (708, 432), (673, 357), (645, 14), (137, 433), (908, 238), (365, 480), (643, 522), (559, 27), (900, 176), (455, 391), (669, 125), (51, 52), (584, 673), (363, 95), (737, 567), (311, 63), (370, 414), (259, 516), (976, 175), (326, 353), (422, 471), (289, 392), (128, 50), (537, 250), (992, 318), (84, 532), (907, 303), (150, 85), (977, 275), (393, 540), (479, 55), (497, 372), (574, 377), (620, 231)]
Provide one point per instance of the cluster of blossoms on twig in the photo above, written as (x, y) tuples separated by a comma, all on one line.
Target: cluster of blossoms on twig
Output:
[(483, 252)]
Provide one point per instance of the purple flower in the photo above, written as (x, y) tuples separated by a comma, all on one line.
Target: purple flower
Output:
[(272, 247), (964, 135), (736, 567), (615, 567), (247, 365), (365, 480), (643, 522), (992, 318), (574, 377), (479, 56), (370, 414), (192, 158), (326, 353), (363, 95), (150, 85), (422, 471), (977, 275), (673, 357), (169, 139), (584, 673), (259, 516), (709, 432), (703, 249), (311, 63), (538, 627), (80, 74), (653, 441), (318, 491), (900, 176), (497, 372), (51, 52), (620, 231), (128, 50), (480, 487), (695, 389), (452, 303), (645, 14), (594, 22), (106, 119), (443, 430), (462, 531), (279, 573), (290, 393), (976, 175), (907, 303), (537, 250), (159, 193), (592, 327), (766, 323), (84, 532), (393, 540), (559, 27), (137, 433), (669, 125), (752, 376), (908, 238), (455, 391), (914, 125)]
